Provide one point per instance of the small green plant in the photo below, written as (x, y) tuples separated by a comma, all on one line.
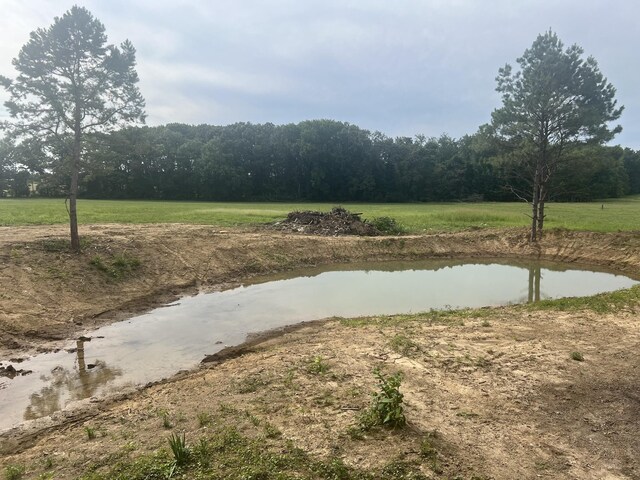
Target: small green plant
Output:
[(355, 433), (271, 431), (317, 366), (13, 472), (403, 345), (91, 432), (252, 383), (166, 422), (288, 379), (577, 356), (204, 419), (386, 406), (202, 453), (180, 450), (119, 267), (429, 452), (387, 225), (465, 414)]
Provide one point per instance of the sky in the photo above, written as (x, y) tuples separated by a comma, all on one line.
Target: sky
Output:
[(402, 67)]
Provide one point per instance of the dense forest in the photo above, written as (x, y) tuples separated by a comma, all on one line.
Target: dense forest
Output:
[(318, 160)]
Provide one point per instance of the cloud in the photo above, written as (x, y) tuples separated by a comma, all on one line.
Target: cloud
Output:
[(405, 67)]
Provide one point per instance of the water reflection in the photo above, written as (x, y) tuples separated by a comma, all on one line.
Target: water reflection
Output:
[(535, 275), (157, 344), (64, 384)]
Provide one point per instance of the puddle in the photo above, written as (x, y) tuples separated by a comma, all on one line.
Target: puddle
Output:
[(161, 342)]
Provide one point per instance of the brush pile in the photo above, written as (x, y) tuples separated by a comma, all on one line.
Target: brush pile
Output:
[(338, 221)]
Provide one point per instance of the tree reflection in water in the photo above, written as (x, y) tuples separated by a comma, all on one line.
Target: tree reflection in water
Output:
[(535, 275), (64, 384)]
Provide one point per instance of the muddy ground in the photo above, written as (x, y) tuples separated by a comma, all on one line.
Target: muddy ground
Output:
[(498, 385)]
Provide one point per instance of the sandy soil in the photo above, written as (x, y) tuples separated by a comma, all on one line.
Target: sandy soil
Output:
[(499, 386)]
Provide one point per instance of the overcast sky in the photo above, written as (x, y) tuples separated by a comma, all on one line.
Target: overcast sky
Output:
[(402, 67)]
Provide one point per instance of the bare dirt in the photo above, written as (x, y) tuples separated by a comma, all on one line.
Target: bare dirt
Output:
[(499, 385)]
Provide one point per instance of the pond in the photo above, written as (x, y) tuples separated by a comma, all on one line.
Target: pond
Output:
[(160, 343)]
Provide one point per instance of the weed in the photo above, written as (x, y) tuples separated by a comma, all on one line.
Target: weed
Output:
[(288, 379), (166, 422), (227, 409), (398, 469), (47, 462), (255, 421), (317, 366), (252, 383), (324, 399), (577, 356), (387, 225), (386, 407), (271, 431), (429, 452), (403, 345), (91, 432), (355, 433), (57, 245), (465, 414), (610, 302), (180, 450), (486, 323), (13, 472), (121, 266), (203, 452), (204, 419)]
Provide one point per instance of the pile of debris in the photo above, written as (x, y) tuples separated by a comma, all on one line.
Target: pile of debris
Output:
[(338, 221)]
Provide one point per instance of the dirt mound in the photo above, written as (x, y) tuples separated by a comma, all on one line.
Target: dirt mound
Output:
[(338, 221)]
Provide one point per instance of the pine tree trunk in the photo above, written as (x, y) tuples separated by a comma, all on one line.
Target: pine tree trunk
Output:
[(535, 204), (73, 189)]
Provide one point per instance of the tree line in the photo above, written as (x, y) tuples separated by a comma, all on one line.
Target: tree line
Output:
[(316, 160), (75, 98)]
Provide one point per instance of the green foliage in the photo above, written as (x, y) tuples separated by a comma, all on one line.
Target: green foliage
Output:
[(317, 365), (204, 419), (14, 472), (166, 421), (403, 345), (91, 432), (556, 101), (602, 303), (386, 406), (271, 431), (227, 453), (387, 225), (70, 84), (119, 267), (577, 356), (179, 449), (252, 383)]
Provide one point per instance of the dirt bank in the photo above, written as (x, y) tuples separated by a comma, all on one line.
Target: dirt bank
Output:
[(499, 386)]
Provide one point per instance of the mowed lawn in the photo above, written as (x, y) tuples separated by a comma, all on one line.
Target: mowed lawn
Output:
[(602, 216)]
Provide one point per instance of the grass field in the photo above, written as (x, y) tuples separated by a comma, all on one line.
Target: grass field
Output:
[(604, 216)]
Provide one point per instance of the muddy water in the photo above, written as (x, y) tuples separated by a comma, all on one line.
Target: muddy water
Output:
[(158, 344)]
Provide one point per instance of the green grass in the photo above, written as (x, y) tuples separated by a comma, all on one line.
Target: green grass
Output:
[(617, 215), (229, 454)]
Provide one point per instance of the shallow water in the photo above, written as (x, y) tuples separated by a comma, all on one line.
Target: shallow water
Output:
[(163, 341)]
